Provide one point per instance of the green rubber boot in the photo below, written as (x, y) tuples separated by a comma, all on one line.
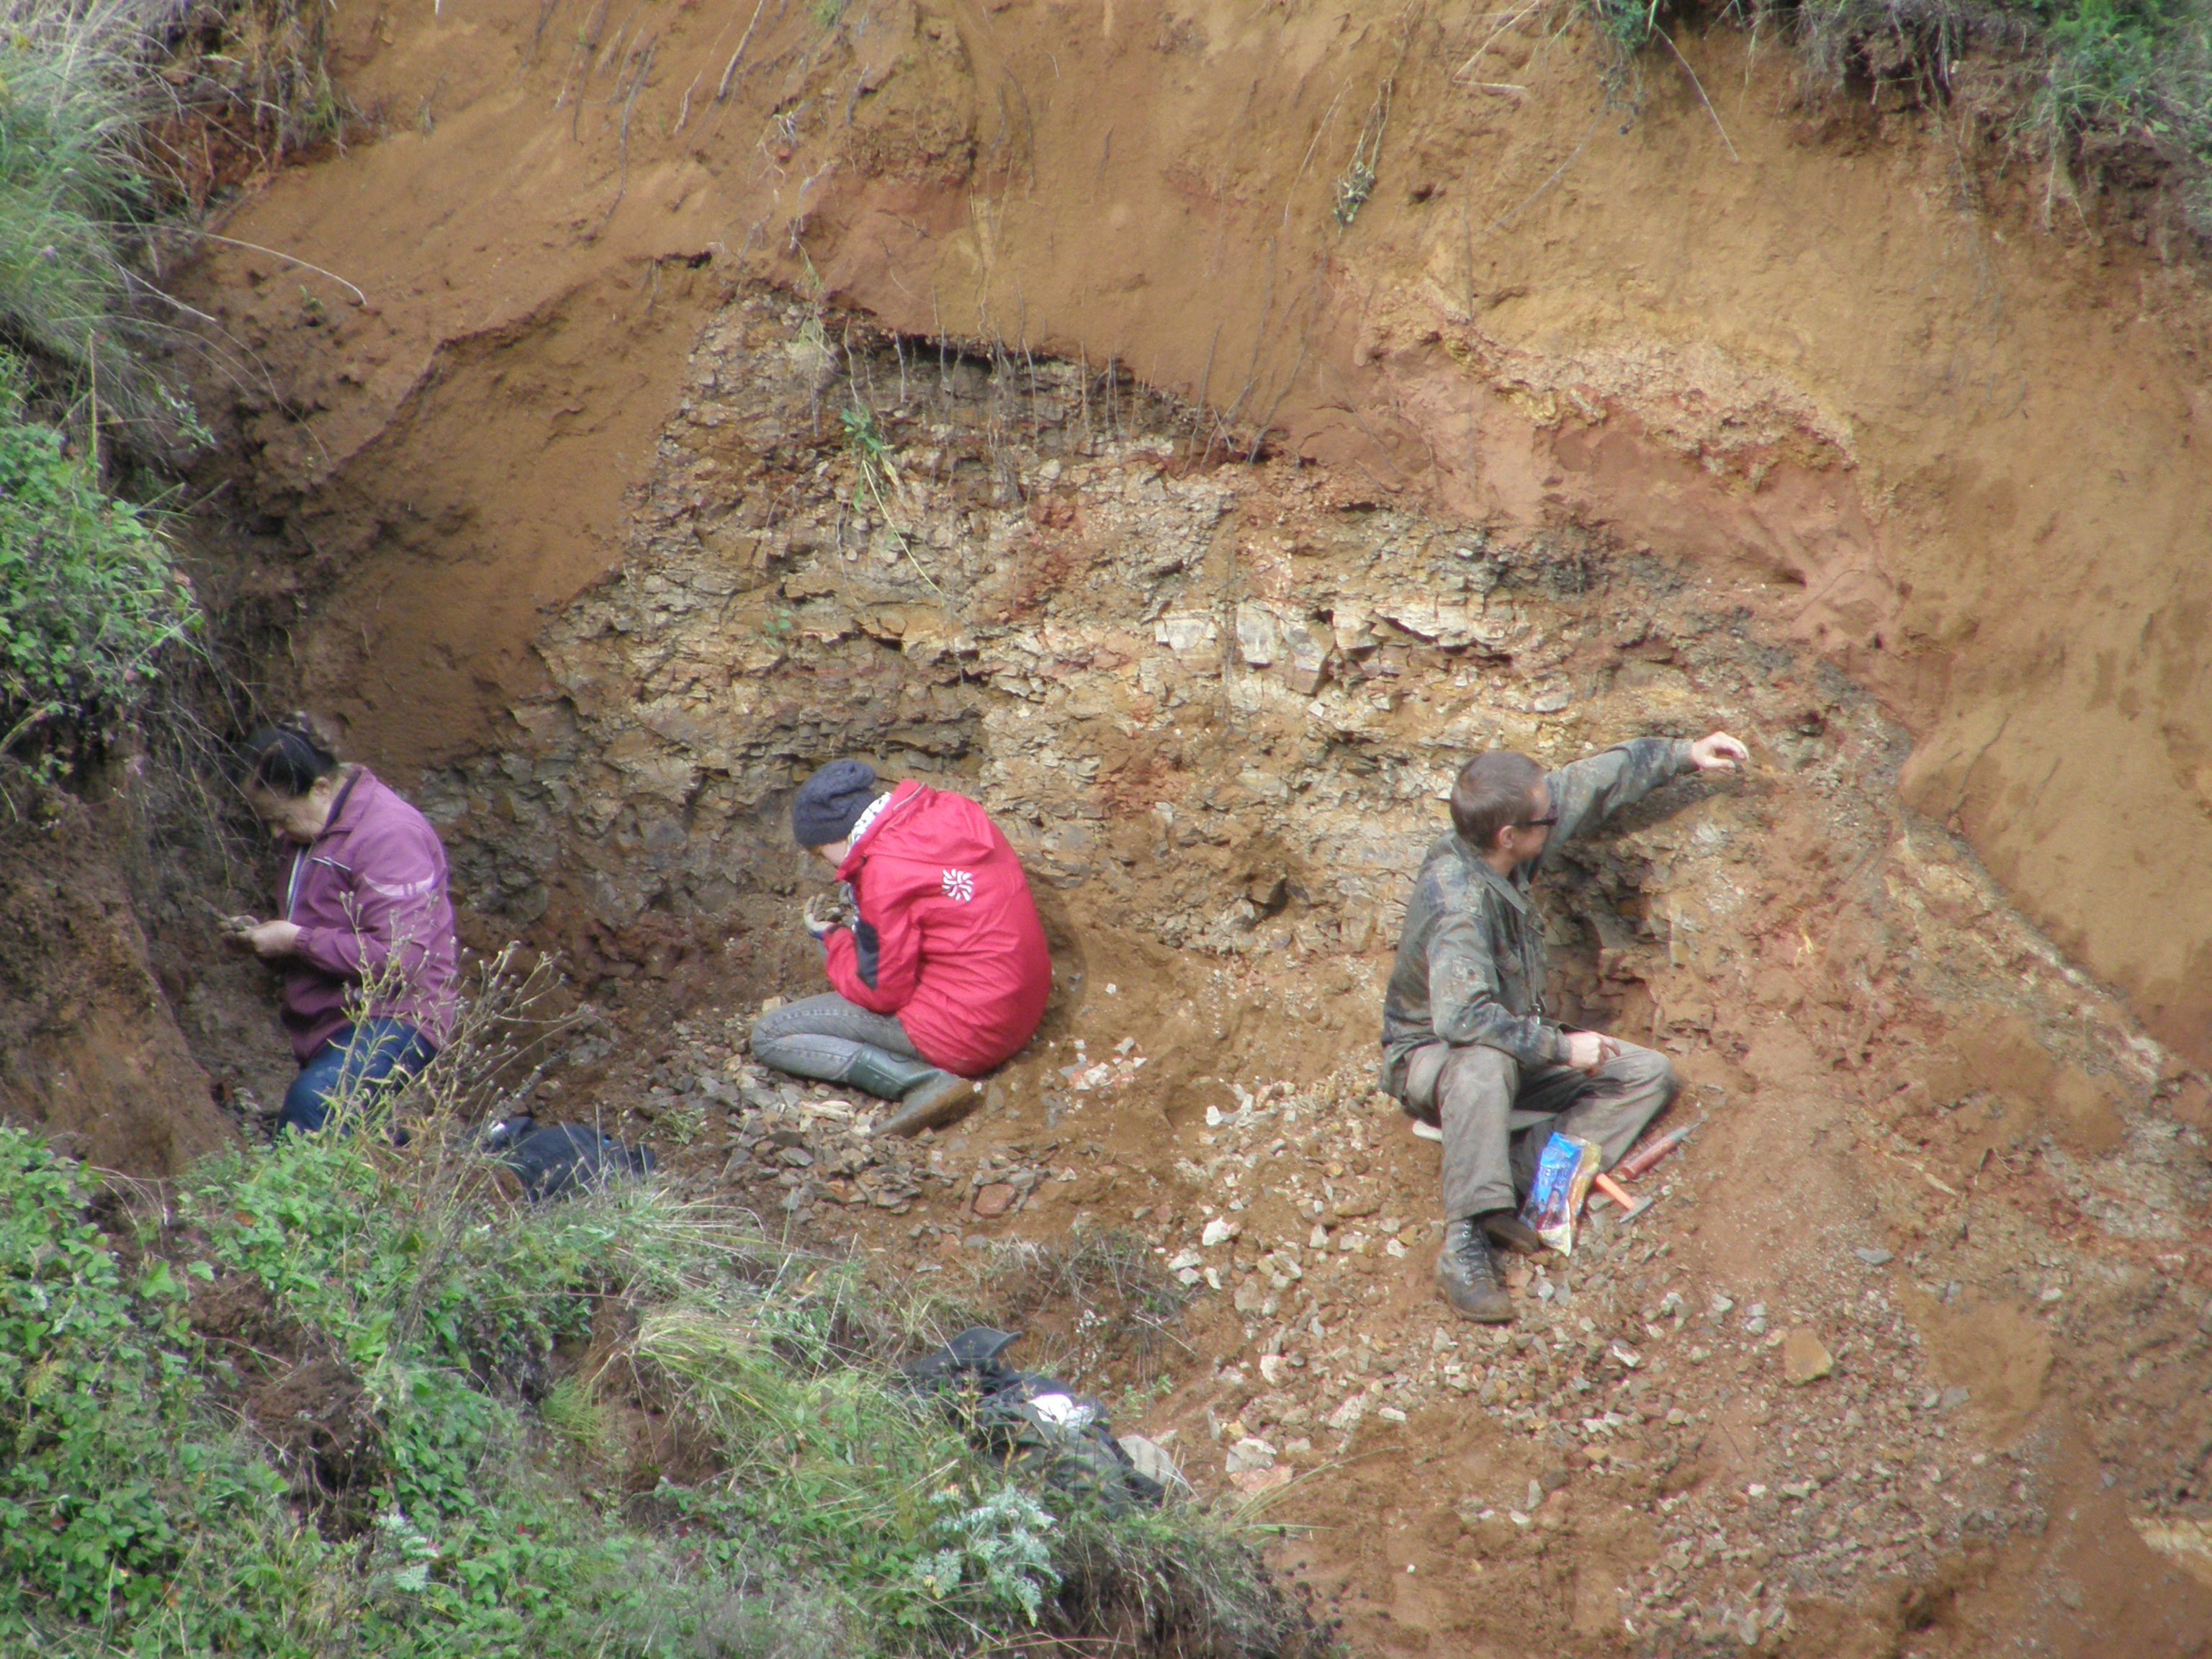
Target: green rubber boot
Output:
[(927, 1095)]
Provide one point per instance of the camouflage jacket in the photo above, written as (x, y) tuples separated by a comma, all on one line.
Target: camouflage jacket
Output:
[(1470, 965)]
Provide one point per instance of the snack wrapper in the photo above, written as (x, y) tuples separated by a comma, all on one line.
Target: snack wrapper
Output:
[(1564, 1175)]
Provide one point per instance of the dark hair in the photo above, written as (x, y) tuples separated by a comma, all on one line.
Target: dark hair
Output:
[(1492, 791), (287, 758)]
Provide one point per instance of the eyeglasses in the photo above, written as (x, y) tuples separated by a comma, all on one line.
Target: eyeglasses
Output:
[(1544, 823)]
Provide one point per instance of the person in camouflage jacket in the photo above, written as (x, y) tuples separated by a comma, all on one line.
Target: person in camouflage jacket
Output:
[(1469, 1046)]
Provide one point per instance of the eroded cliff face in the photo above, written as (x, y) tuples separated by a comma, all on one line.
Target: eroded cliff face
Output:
[(997, 395), (90, 1050), (1217, 707), (1934, 408)]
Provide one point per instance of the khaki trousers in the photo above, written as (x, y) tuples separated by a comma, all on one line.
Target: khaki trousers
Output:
[(1497, 1114)]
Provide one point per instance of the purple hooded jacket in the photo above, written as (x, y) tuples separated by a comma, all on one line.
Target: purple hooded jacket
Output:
[(369, 896)]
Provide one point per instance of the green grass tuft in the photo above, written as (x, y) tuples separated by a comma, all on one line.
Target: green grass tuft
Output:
[(2089, 71)]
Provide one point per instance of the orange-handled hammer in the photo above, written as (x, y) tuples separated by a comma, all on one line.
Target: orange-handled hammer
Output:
[(1631, 1207)]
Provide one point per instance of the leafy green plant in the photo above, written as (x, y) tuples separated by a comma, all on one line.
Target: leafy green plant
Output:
[(89, 601), (112, 1481), (81, 1355), (998, 1546), (877, 462), (2136, 69), (2137, 63), (789, 1457)]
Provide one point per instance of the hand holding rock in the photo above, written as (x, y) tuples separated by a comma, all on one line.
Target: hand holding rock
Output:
[(822, 912), (1719, 752)]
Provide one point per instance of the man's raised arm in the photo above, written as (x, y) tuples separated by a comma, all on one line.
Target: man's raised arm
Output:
[(1587, 792)]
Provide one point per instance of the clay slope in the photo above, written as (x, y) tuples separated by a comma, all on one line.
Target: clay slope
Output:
[(90, 1051)]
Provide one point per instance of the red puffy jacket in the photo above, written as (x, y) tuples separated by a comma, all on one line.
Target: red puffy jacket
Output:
[(948, 938)]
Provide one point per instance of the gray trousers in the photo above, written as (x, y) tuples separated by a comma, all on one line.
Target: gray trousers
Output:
[(1496, 1115), (819, 1036)]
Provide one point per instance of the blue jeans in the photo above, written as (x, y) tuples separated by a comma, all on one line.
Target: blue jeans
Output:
[(361, 1063)]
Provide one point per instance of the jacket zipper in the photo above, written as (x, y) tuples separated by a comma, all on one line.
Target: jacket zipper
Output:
[(300, 857)]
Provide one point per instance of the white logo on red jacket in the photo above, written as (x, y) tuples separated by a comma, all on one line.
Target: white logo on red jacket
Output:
[(959, 885)]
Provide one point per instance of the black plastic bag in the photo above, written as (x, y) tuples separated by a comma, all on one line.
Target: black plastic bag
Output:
[(561, 1158), (1031, 1422)]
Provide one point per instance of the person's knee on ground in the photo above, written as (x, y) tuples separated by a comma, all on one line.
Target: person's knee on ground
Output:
[(307, 1104), (830, 1040), (361, 1065), (761, 1041), (923, 1092), (778, 1026)]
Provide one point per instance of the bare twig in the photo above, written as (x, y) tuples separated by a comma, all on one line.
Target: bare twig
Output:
[(722, 89), (274, 253), (1700, 86)]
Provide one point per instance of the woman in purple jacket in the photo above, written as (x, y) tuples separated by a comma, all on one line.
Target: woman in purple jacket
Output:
[(366, 941)]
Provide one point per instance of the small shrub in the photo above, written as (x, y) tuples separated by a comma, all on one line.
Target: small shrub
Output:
[(89, 602), (997, 1545), (117, 1491), (2140, 71)]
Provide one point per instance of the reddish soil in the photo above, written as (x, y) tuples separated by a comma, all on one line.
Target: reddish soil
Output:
[(309, 1411), (88, 1052), (1890, 1061), (1818, 432)]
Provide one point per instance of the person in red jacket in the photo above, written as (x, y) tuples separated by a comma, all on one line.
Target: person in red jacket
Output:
[(942, 974), (366, 942)]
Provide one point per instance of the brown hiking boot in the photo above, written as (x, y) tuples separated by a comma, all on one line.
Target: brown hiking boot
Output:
[(1509, 1230), (1467, 1275)]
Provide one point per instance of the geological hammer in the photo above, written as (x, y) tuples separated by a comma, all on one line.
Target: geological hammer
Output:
[(1631, 1206)]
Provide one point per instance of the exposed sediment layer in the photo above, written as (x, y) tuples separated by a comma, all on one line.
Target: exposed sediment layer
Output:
[(1215, 709), (1832, 354), (1586, 423)]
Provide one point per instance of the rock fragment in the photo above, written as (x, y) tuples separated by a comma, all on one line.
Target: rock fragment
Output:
[(1153, 1461), (1250, 1453), (1805, 1357)]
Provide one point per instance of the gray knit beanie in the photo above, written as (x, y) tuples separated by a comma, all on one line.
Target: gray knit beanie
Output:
[(829, 803)]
